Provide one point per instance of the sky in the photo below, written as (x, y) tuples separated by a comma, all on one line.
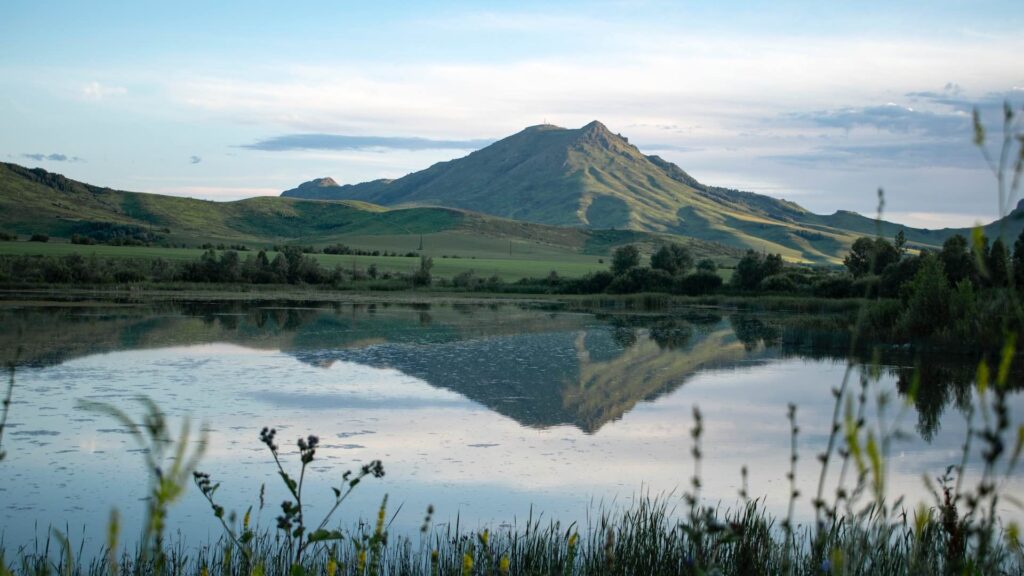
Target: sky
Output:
[(821, 103)]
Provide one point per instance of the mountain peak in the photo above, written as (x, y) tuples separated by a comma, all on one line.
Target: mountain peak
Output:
[(324, 182), (311, 187), (597, 133)]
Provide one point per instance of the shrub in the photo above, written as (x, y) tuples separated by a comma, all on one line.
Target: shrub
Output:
[(707, 265), (641, 280), (594, 282), (865, 287), (840, 286), (896, 275), (39, 238), (467, 279), (777, 283), (699, 283)]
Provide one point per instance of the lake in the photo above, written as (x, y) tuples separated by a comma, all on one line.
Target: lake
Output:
[(490, 413)]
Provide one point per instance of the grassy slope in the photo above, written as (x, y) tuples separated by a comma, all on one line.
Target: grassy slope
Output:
[(593, 178), (32, 201)]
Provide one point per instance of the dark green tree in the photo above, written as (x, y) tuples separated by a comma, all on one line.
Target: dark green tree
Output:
[(422, 276), (900, 242), (673, 258), (1018, 261), (624, 258), (870, 256), (998, 264), (707, 265), (956, 259), (748, 270), (772, 265), (926, 306)]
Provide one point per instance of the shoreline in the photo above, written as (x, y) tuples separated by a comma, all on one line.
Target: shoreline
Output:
[(645, 301)]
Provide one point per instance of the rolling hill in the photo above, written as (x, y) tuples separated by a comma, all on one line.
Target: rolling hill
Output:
[(37, 201), (591, 178)]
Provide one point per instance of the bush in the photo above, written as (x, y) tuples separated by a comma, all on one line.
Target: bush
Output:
[(699, 283), (7, 236), (467, 280), (777, 283), (39, 238), (707, 265), (641, 280), (834, 287), (592, 283), (896, 275), (865, 287)]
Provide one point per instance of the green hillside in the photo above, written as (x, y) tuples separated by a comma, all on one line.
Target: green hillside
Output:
[(591, 178), (35, 201)]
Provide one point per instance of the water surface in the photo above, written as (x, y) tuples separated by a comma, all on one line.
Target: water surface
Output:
[(490, 413)]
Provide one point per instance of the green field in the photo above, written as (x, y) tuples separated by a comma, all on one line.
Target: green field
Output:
[(534, 263)]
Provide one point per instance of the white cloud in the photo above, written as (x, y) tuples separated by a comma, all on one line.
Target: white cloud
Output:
[(96, 91), (938, 219), (718, 84)]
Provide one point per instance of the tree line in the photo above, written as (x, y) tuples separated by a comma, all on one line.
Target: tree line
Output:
[(289, 266)]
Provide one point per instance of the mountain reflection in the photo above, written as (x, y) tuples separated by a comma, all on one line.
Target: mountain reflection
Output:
[(541, 368)]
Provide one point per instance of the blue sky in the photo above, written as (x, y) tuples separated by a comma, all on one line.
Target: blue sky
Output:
[(820, 103)]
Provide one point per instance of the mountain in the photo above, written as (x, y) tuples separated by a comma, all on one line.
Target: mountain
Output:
[(311, 188), (591, 178), (37, 201)]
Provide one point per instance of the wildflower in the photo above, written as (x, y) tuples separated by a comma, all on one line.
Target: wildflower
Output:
[(504, 565)]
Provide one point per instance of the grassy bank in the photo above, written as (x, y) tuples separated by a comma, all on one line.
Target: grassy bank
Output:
[(646, 540), (858, 529)]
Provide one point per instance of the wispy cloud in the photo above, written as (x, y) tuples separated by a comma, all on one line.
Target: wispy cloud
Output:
[(195, 159), (344, 142), (55, 157), (935, 220), (892, 118), (898, 155), (96, 91)]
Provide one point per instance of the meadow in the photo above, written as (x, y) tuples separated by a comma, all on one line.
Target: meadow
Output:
[(534, 263)]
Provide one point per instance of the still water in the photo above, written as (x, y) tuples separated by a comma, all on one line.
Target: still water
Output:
[(489, 413)]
